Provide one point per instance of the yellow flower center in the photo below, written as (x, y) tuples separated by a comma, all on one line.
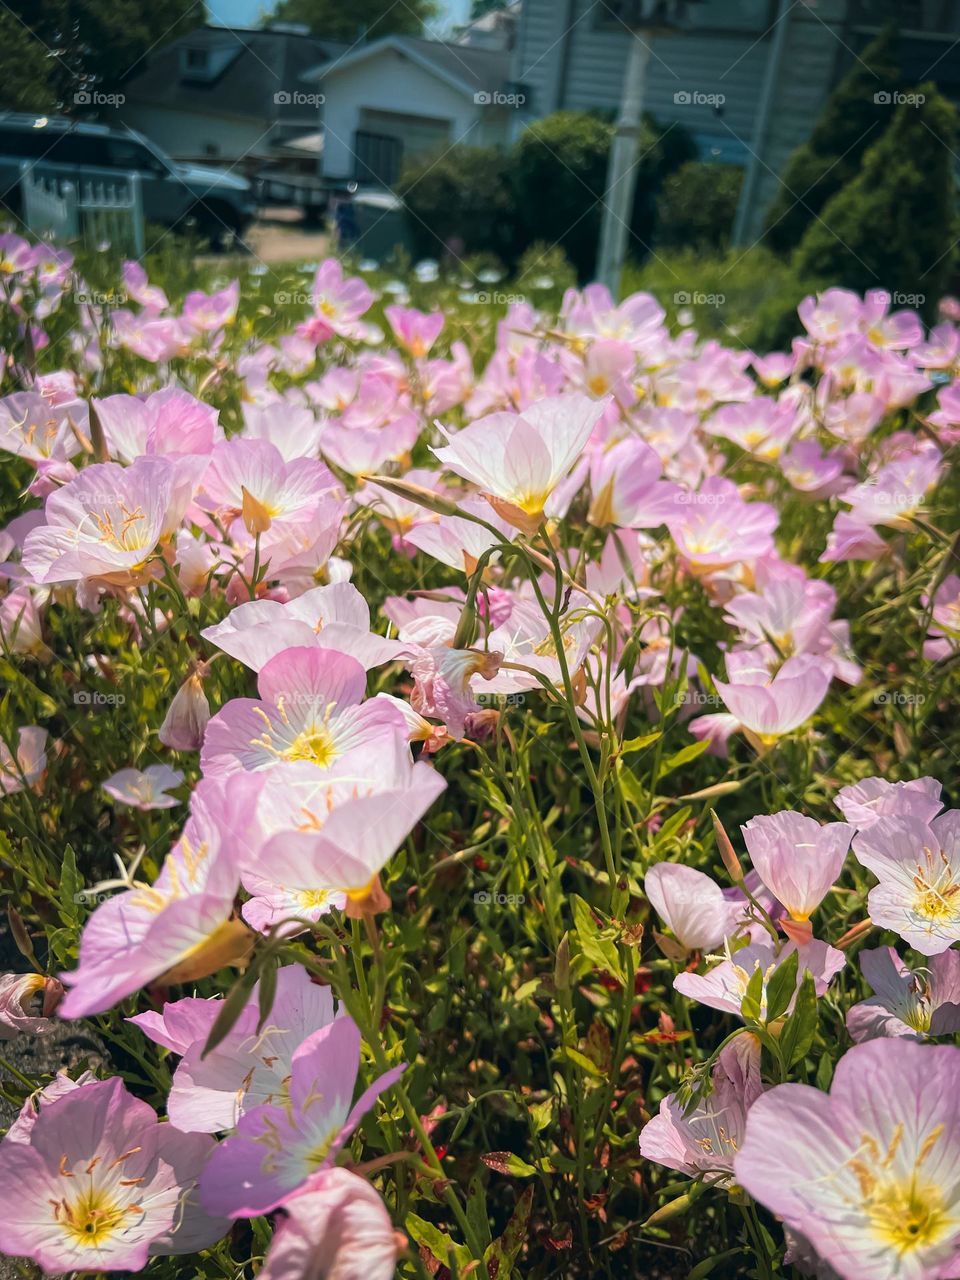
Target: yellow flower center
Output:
[(938, 893)]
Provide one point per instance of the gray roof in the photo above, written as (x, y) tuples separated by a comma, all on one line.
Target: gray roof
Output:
[(261, 64), (473, 68)]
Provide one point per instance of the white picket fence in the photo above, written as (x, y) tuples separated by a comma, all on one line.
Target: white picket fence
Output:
[(100, 211)]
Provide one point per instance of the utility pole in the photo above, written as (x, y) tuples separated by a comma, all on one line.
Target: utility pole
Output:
[(622, 167), (645, 19)]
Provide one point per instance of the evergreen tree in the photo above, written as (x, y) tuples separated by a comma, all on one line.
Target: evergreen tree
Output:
[(893, 225), (851, 121)]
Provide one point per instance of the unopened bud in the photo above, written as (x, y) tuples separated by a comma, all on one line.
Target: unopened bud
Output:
[(18, 931), (727, 851), (854, 933), (669, 1210), (186, 719), (256, 518), (561, 969)]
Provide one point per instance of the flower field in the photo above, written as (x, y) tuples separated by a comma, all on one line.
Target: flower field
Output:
[(478, 772)]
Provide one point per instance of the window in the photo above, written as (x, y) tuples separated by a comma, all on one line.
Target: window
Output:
[(76, 149), (27, 144), (127, 153)]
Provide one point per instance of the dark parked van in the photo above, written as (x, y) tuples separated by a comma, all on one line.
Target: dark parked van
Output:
[(218, 204)]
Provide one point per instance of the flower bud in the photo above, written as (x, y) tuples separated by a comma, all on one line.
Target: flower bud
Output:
[(186, 719)]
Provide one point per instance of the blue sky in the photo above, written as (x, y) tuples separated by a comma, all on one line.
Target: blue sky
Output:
[(245, 13)]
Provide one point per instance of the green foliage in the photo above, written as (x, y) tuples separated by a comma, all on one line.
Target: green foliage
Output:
[(25, 69), (83, 42), (851, 121), (696, 207), (547, 190), (892, 226), (560, 173), (358, 20), (461, 196), (747, 299)]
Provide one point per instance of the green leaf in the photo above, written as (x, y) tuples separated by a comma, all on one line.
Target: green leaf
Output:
[(436, 1241), (234, 1004), (751, 1004), (507, 1162), (71, 887), (601, 952), (268, 990), (801, 1027), (690, 752), (638, 744), (502, 1254), (781, 987), (582, 1061)]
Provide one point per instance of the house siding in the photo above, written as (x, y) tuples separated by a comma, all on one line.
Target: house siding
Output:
[(808, 72), (208, 139), (566, 60), (390, 83)]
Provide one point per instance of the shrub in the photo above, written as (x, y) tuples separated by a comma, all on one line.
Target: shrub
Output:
[(559, 174), (851, 121), (463, 195), (892, 225), (696, 206), (739, 298)]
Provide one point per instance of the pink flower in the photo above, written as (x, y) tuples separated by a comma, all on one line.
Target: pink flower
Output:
[(691, 904), (210, 312), (442, 688), (456, 540), (862, 803), (277, 1147), (339, 305), (28, 765), (145, 789), (310, 708), (706, 1139), (896, 491), (762, 426), (868, 1173), (106, 524), (714, 527), (318, 842), (517, 460), (169, 422), (911, 1003), (918, 866), (17, 991), (796, 858), (250, 479), (831, 315), (248, 1068), (336, 1226), (332, 617), (724, 986), (415, 331), (627, 489), (944, 638), (100, 1185), (773, 706), (810, 470), (149, 296), (289, 425), (180, 927)]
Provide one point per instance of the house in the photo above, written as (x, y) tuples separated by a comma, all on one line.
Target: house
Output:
[(748, 79), (401, 96), (224, 95)]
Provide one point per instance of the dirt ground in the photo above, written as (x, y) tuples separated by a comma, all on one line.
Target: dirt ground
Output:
[(279, 236)]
